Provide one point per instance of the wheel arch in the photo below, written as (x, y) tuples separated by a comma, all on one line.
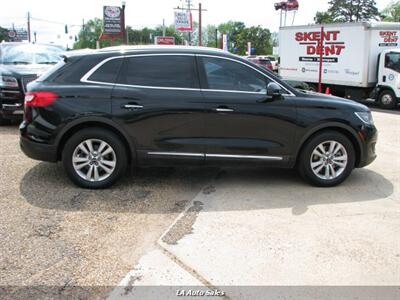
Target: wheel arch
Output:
[(347, 131), (91, 122)]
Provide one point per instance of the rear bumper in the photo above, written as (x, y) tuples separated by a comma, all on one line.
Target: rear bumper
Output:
[(38, 151)]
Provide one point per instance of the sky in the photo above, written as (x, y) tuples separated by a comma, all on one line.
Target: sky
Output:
[(150, 13)]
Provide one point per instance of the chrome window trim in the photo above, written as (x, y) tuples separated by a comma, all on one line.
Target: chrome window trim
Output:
[(260, 157), (85, 78)]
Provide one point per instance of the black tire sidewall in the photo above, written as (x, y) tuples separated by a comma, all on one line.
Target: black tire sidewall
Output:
[(304, 166), (101, 134), (387, 106)]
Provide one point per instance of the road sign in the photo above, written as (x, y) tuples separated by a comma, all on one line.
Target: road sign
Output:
[(164, 40), (183, 21)]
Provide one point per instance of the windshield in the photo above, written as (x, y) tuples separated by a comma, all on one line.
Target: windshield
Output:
[(29, 54)]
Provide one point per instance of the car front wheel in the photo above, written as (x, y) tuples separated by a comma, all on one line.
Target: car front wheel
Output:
[(327, 159), (94, 158)]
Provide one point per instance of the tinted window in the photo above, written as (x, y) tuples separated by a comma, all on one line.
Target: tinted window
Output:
[(225, 74), (160, 71), (108, 72)]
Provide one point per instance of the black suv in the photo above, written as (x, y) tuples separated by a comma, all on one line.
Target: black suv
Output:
[(101, 111), (21, 63)]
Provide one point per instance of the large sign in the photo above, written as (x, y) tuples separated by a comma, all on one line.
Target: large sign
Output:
[(331, 49), (164, 40), (183, 21), (17, 35), (112, 20)]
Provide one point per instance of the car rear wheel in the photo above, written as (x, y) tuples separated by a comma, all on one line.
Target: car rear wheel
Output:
[(387, 99), (327, 159), (94, 158)]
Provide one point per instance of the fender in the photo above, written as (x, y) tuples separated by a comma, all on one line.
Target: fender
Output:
[(100, 120), (330, 125)]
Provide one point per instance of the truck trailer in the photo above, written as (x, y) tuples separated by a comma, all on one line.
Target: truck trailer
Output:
[(359, 60)]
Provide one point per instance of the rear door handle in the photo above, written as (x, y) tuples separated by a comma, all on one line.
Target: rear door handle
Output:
[(132, 106)]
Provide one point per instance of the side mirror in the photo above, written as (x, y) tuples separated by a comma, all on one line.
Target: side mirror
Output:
[(274, 90)]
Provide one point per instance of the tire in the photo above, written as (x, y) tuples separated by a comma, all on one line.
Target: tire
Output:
[(387, 99), (109, 164), (342, 162)]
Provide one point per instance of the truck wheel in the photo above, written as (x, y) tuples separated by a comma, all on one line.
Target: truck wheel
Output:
[(327, 159), (94, 158), (387, 99)]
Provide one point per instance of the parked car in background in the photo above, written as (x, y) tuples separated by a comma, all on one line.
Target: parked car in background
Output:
[(102, 111), (274, 62), (262, 61), (21, 63)]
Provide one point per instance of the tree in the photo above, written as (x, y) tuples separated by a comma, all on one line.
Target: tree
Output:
[(259, 37), (323, 17), (392, 12), (89, 35), (353, 10), (3, 34), (233, 29)]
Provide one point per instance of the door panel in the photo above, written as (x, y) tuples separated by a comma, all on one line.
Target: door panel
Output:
[(241, 123), (251, 128), (166, 123)]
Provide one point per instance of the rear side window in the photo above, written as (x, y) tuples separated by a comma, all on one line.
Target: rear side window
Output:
[(176, 71), (108, 72)]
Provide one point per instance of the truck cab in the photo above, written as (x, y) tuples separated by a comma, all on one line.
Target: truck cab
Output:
[(387, 91)]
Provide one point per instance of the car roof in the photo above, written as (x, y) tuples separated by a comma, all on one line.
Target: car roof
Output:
[(148, 48)]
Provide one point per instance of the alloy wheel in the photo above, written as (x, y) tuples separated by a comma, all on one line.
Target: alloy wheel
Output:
[(329, 160), (94, 160)]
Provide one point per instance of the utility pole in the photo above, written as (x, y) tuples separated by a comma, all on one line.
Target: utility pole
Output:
[(216, 38), (123, 23), (200, 36), (29, 27), (163, 27)]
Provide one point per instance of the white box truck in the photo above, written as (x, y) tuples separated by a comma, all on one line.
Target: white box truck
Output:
[(360, 60)]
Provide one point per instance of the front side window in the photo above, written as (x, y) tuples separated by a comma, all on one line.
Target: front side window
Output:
[(392, 61), (223, 74), (168, 71)]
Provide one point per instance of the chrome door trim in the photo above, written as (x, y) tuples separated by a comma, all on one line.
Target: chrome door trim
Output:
[(261, 157), (176, 154)]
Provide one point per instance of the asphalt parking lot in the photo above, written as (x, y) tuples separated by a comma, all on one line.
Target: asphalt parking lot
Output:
[(254, 226)]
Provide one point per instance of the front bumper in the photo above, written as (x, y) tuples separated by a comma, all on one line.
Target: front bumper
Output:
[(369, 137), (11, 103)]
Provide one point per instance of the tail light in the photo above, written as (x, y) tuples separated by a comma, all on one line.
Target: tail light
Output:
[(39, 99)]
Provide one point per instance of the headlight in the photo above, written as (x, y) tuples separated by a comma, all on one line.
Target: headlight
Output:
[(366, 117), (8, 81)]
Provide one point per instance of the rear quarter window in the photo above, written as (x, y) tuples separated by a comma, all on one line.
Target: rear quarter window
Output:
[(107, 72)]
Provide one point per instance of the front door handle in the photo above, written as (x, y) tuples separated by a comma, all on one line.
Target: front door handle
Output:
[(132, 106)]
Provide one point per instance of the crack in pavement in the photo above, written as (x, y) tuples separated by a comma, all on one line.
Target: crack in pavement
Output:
[(184, 225)]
